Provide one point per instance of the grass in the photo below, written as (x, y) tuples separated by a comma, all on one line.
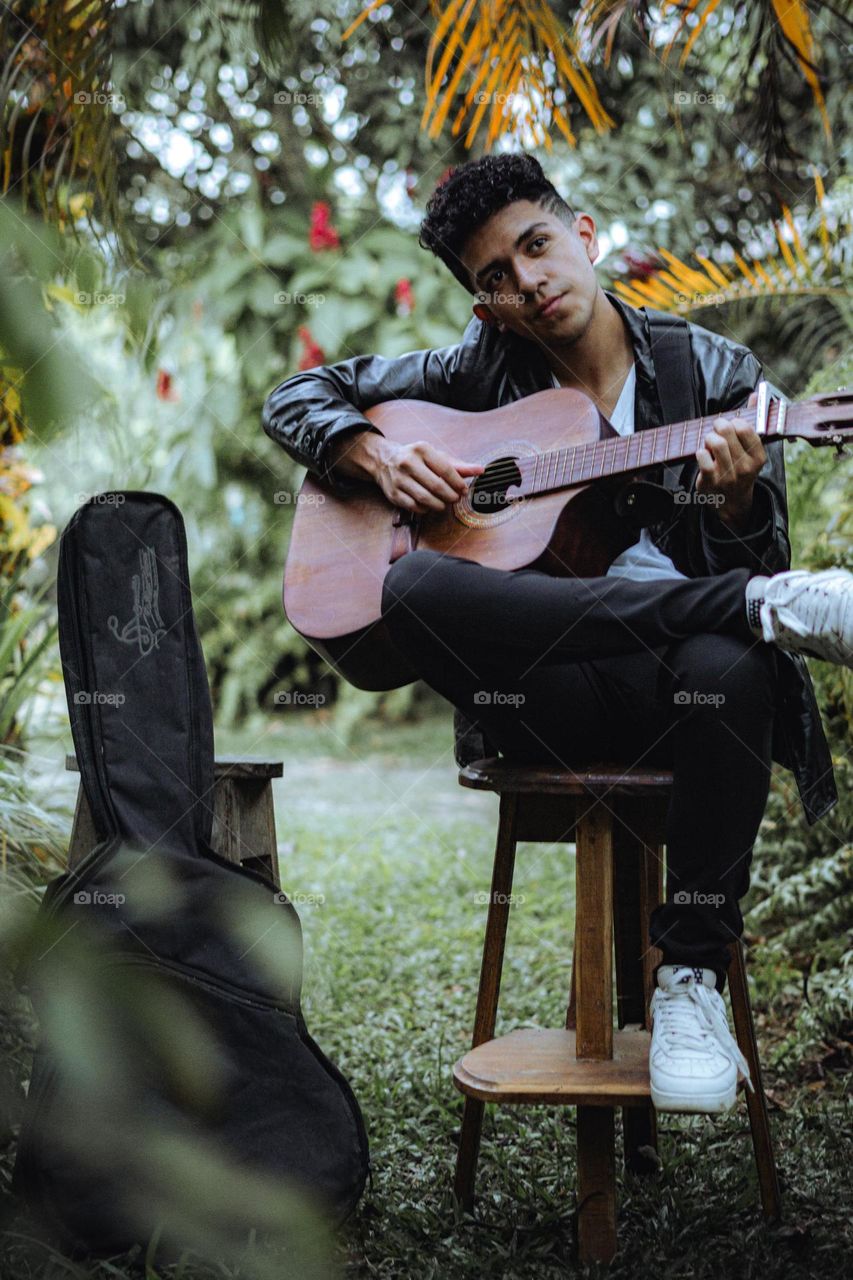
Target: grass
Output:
[(402, 858)]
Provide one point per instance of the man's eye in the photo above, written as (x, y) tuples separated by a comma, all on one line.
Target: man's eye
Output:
[(537, 240)]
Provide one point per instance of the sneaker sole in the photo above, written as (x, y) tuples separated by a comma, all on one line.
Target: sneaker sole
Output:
[(703, 1104)]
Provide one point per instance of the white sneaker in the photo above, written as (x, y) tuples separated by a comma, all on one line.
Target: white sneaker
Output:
[(805, 612), (694, 1058)]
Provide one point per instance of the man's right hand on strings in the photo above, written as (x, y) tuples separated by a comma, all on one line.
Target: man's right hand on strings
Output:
[(416, 476)]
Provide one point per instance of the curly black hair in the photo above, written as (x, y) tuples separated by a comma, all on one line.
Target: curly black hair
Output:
[(472, 192)]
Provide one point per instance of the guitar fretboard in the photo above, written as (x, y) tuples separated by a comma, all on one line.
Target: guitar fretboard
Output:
[(578, 464)]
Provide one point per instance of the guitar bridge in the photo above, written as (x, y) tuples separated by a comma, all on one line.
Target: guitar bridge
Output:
[(405, 528)]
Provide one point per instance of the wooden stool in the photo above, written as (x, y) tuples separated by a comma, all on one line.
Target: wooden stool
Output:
[(243, 814), (616, 818)]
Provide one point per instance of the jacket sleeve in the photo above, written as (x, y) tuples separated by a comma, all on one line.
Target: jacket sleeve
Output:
[(764, 547), (306, 412)]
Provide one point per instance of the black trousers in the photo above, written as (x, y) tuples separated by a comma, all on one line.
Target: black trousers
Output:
[(575, 670)]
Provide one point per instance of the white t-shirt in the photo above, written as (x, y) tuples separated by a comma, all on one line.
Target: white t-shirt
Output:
[(642, 560)]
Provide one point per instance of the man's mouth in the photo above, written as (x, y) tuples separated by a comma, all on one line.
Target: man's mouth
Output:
[(548, 307)]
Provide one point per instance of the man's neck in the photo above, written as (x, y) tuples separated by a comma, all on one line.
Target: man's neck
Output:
[(599, 361)]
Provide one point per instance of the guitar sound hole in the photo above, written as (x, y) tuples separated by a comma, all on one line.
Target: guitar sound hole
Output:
[(489, 491)]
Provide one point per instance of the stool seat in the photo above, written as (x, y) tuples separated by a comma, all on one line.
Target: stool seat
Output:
[(494, 773)]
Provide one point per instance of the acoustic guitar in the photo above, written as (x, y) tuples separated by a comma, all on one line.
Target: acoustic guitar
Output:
[(544, 501)]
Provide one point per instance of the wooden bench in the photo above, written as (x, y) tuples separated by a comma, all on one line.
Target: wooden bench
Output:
[(615, 816), (243, 814)]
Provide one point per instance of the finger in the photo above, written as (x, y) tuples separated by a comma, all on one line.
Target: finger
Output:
[(707, 467), (719, 451), (425, 474), (424, 499), (729, 434), (452, 485), (746, 449), (751, 442)]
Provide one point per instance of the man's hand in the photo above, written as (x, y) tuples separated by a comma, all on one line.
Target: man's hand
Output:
[(416, 476), (729, 460)]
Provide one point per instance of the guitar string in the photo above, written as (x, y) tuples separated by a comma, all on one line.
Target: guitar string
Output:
[(500, 476)]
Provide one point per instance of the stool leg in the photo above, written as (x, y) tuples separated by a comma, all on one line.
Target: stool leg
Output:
[(630, 936), (487, 998), (759, 1121), (594, 1036), (572, 1010), (651, 895), (596, 1184)]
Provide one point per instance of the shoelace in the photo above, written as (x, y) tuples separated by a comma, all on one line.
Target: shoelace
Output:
[(679, 1022), (823, 598)]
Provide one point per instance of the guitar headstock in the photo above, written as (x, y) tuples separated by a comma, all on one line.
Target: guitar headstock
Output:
[(824, 419)]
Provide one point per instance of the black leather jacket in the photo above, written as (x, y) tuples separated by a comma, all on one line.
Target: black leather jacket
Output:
[(487, 369)]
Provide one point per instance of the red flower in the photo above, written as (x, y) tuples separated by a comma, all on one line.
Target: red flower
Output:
[(640, 265), (322, 235), (448, 171), (166, 389), (312, 354), (404, 297)]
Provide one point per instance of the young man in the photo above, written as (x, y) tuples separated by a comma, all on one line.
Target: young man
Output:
[(687, 653)]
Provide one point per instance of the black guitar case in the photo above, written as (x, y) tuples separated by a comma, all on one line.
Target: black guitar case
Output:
[(152, 897)]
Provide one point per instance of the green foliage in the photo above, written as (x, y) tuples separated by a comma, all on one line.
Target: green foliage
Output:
[(801, 896)]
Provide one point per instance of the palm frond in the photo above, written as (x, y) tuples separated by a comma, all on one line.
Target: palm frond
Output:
[(791, 19), (809, 260), (57, 149), (514, 67), (599, 19)]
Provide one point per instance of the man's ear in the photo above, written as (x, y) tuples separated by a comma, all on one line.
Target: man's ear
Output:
[(482, 312)]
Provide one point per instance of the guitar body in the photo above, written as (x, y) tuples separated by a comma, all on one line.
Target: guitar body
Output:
[(341, 548)]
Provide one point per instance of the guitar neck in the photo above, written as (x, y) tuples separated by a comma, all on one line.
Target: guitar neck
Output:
[(578, 464)]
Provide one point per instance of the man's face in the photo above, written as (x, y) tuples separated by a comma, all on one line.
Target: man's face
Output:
[(524, 256)]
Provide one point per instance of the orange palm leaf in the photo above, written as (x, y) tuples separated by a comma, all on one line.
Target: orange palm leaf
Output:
[(518, 61), (813, 267), (793, 19)]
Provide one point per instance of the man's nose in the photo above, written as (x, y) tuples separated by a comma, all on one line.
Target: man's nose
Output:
[(528, 279)]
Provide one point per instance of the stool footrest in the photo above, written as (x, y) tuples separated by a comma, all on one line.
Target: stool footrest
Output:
[(539, 1065)]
